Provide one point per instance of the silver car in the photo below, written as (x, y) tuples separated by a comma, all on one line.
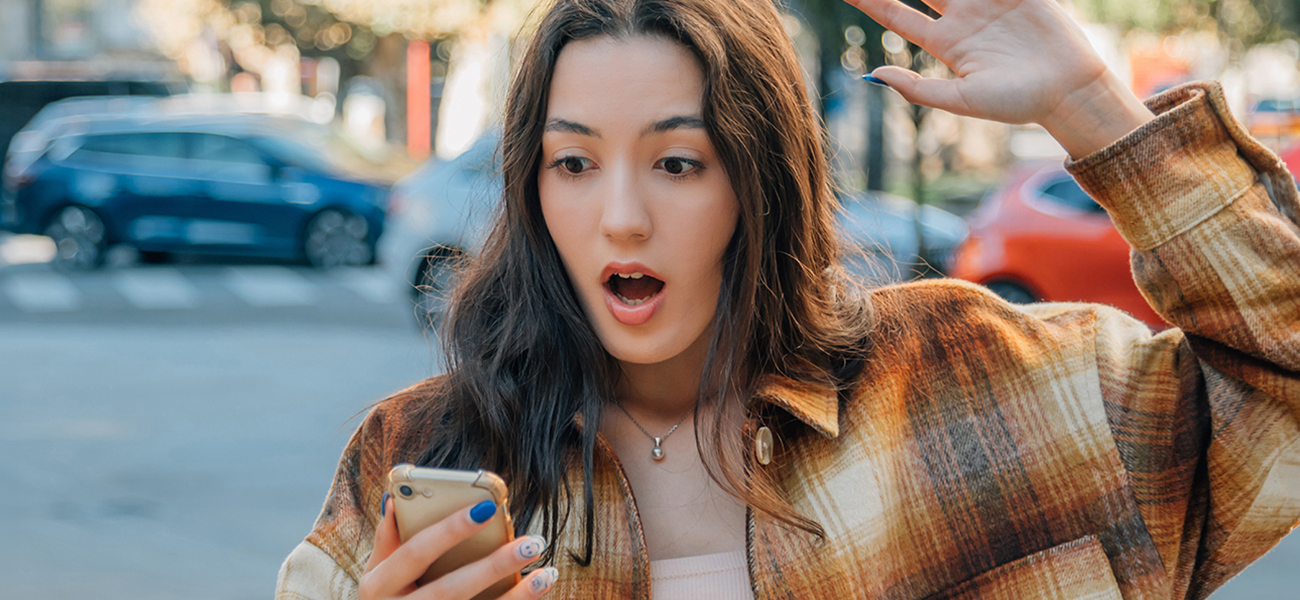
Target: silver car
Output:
[(879, 234), (437, 214)]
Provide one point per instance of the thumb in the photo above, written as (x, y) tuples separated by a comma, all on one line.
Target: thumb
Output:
[(934, 93), (387, 539)]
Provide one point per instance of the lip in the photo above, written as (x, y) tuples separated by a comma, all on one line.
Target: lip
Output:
[(626, 268), (630, 315)]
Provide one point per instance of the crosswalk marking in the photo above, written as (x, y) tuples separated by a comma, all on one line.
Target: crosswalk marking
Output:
[(156, 288), (25, 249), (372, 284), (42, 292), (33, 289), (269, 286)]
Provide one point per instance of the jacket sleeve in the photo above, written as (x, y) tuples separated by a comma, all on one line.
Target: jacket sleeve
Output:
[(1206, 417), (310, 574)]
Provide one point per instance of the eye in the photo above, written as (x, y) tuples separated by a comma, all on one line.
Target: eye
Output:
[(571, 166), (681, 167)]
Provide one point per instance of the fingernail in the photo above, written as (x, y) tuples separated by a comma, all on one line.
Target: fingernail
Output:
[(483, 511), (543, 580), (873, 79), (531, 547), (383, 505)]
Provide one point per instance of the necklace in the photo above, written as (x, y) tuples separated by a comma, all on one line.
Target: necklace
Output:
[(657, 452)]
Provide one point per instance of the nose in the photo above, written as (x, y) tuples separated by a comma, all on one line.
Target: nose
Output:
[(625, 216)]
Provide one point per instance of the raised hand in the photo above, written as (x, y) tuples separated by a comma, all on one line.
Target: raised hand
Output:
[(1015, 61)]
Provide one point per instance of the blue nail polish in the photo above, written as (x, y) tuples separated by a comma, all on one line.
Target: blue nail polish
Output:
[(873, 79), (383, 505), (483, 511)]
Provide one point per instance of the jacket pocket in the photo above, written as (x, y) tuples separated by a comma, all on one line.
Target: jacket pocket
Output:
[(1073, 570)]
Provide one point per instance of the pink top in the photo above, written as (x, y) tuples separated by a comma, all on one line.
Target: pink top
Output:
[(722, 576)]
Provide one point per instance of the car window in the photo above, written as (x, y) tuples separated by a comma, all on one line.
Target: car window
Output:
[(154, 144), (223, 156), (1065, 192), (1278, 105), (222, 148), (294, 153)]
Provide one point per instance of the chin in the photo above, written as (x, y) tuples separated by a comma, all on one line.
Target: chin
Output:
[(646, 348)]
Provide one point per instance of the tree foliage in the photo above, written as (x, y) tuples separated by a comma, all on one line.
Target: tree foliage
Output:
[(1248, 21)]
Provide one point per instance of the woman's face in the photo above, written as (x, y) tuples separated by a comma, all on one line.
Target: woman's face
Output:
[(633, 193)]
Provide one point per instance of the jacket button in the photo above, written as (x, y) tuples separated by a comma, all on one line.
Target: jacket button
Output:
[(763, 445)]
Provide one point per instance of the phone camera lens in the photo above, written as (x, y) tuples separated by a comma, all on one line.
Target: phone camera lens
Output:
[(405, 491)]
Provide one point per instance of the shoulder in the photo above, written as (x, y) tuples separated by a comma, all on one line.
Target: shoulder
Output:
[(962, 309), (399, 426), (311, 574), (396, 430), (934, 326)]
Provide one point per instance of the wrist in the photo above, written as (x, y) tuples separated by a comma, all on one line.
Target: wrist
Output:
[(1096, 116)]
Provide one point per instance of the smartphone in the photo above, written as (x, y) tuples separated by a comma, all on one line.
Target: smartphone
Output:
[(423, 496)]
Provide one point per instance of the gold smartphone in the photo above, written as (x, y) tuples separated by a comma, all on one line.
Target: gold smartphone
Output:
[(423, 496)]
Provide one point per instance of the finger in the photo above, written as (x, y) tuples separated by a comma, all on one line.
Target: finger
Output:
[(412, 559), (896, 17), (534, 585), (477, 576), (942, 94), (386, 537)]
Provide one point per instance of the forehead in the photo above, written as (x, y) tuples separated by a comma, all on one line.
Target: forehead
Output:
[(630, 82)]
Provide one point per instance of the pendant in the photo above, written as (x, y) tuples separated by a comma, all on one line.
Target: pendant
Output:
[(657, 452)]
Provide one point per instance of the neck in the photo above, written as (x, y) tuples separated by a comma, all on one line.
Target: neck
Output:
[(667, 390)]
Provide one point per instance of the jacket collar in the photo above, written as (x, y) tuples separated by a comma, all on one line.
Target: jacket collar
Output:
[(815, 404)]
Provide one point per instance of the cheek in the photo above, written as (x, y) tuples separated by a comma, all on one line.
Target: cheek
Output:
[(710, 230), (564, 221), (703, 229), (574, 229), (550, 210)]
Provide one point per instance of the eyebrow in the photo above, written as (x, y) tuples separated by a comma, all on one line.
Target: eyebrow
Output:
[(669, 124)]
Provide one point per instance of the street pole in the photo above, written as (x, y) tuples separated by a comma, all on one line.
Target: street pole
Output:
[(418, 109), (875, 138)]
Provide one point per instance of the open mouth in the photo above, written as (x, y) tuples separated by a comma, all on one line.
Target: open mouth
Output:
[(633, 289)]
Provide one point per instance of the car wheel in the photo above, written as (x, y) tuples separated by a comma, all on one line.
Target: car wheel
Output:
[(432, 294), (336, 238), (1012, 293), (79, 238)]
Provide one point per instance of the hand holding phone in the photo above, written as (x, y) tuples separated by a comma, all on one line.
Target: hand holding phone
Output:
[(447, 533)]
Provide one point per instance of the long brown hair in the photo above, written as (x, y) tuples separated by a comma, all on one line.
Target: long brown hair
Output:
[(523, 359)]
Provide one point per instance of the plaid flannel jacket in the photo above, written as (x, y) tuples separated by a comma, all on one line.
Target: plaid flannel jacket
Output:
[(995, 451)]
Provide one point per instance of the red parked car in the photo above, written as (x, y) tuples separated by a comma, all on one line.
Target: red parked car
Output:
[(1039, 237), (1291, 156)]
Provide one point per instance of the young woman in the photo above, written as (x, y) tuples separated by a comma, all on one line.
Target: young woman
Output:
[(660, 355)]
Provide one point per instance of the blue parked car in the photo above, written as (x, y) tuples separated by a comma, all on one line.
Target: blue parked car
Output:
[(233, 185)]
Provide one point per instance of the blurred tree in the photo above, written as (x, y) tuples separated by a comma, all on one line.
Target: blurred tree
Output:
[(1249, 21), (830, 19)]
